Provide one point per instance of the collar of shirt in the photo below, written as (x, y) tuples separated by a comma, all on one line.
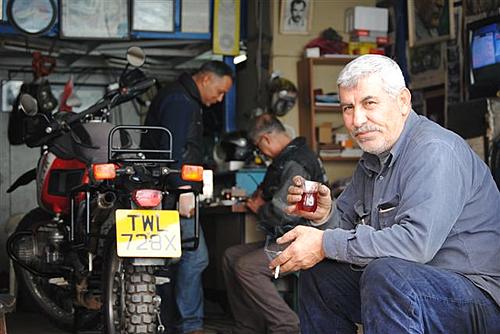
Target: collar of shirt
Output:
[(189, 85), (371, 162)]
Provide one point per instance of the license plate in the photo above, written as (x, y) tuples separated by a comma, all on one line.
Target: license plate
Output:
[(148, 233)]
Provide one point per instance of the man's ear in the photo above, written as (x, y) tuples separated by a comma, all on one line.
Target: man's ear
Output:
[(206, 79), (404, 101)]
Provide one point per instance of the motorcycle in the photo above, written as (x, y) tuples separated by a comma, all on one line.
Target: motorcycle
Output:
[(107, 221)]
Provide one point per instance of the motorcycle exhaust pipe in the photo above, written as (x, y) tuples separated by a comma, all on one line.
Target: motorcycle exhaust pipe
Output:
[(106, 200)]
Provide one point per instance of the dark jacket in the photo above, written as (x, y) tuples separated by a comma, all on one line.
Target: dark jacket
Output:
[(178, 108), (295, 159)]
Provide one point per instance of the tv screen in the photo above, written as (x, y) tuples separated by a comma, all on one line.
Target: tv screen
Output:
[(484, 57)]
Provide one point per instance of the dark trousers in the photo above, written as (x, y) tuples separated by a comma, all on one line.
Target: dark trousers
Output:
[(393, 296), (255, 302)]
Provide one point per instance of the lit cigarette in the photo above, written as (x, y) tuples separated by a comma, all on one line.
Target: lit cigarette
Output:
[(276, 272)]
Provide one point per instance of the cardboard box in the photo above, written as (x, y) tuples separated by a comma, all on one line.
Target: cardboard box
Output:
[(325, 132), (366, 18)]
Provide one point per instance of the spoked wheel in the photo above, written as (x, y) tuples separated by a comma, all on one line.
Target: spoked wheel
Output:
[(129, 296)]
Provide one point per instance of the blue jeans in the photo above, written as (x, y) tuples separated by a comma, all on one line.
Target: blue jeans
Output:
[(393, 296), (188, 285)]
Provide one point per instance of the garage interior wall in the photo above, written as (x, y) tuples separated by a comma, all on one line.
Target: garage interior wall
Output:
[(287, 50), (16, 160)]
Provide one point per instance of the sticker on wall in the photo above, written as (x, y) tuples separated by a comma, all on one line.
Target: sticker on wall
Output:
[(226, 38)]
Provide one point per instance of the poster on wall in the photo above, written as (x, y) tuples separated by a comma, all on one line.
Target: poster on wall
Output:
[(195, 16), (296, 16), (426, 65), (430, 21), (153, 15), (226, 35), (10, 90), (94, 19)]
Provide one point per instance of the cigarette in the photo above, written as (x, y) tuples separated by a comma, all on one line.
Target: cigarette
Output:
[(276, 272)]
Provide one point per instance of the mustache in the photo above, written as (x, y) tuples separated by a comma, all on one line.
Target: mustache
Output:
[(365, 128)]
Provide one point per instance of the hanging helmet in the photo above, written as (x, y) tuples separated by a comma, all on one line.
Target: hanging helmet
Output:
[(283, 95), (234, 146)]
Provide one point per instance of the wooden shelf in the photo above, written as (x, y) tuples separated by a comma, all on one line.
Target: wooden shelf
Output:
[(327, 108), (333, 60), (307, 106)]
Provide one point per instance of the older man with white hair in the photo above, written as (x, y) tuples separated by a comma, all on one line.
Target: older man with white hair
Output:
[(412, 244)]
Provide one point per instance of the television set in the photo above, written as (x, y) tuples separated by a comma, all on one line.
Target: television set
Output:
[(484, 57)]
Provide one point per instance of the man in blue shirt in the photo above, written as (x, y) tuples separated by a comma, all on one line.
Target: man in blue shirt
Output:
[(412, 244), (179, 108)]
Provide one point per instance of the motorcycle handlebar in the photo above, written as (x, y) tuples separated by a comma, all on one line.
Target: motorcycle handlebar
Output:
[(112, 99)]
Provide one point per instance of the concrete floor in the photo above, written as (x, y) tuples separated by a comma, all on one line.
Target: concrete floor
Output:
[(25, 320), (21, 322)]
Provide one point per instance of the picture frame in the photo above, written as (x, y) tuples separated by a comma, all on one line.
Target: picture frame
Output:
[(426, 65), (155, 16), (110, 19), (296, 16), (195, 16), (430, 21)]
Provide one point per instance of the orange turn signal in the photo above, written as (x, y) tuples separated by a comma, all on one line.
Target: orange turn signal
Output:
[(104, 171), (192, 173)]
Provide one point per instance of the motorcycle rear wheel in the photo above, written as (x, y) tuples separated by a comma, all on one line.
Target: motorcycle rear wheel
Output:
[(129, 293), (53, 301)]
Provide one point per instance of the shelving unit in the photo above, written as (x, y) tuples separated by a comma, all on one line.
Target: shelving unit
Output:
[(307, 107), (316, 73)]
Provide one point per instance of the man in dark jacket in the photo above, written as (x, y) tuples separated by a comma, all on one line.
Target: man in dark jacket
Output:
[(179, 108), (255, 302)]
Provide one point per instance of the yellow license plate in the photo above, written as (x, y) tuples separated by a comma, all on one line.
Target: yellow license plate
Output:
[(148, 233)]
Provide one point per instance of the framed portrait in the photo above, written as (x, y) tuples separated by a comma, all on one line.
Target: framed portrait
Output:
[(153, 15), (296, 16), (430, 21), (426, 65), (94, 19)]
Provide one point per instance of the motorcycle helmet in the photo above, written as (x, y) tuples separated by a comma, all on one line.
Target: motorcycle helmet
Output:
[(234, 146), (282, 94)]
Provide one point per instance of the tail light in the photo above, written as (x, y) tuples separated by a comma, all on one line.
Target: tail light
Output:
[(192, 173), (147, 198), (104, 171)]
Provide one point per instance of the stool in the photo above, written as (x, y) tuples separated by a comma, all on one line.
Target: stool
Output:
[(7, 304)]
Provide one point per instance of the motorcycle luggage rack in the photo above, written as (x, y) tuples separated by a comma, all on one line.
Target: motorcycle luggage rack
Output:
[(114, 154)]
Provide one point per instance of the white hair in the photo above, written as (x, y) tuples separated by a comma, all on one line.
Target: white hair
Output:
[(386, 68)]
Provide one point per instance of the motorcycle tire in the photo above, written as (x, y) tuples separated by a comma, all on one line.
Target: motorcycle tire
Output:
[(53, 301), (129, 293)]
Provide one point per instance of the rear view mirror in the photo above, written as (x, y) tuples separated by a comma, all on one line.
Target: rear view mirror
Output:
[(28, 105), (136, 56)]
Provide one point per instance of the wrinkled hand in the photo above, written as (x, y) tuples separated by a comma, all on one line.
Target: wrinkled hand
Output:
[(304, 252), (295, 195), (255, 202)]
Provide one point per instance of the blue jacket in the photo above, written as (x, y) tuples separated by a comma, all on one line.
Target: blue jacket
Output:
[(432, 201), (178, 108)]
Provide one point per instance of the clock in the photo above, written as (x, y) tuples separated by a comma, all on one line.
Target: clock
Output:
[(32, 17)]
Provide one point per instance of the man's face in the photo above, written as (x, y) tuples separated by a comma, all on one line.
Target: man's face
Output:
[(430, 11), (214, 88), (374, 118), (298, 10)]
